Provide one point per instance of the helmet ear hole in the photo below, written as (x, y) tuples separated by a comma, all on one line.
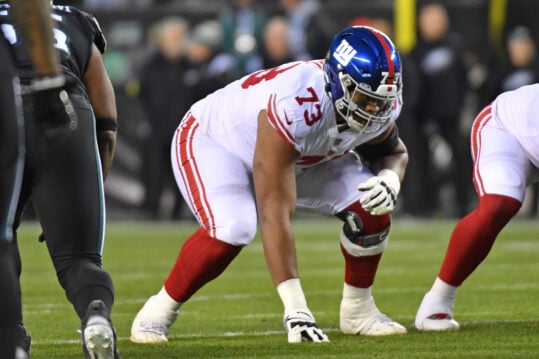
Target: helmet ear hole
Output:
[(328, 89)]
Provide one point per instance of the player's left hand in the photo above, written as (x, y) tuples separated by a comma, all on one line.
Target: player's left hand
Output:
[(382, 191), (300, 325), (54, 113)]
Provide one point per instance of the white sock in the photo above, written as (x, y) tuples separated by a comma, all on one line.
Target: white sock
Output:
[(350, 292), (164, 299), (292, 295), (444, 290)]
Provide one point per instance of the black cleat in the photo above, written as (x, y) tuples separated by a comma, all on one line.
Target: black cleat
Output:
[(23, 343), (98, 334)]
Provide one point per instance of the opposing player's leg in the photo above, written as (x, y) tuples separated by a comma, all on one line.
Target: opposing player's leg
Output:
[(501, 169), (68, 195), (10, 303), (331, 189), (223, 205), (11, 167)]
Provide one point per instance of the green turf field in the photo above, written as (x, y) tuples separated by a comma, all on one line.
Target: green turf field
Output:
[(239, 314)]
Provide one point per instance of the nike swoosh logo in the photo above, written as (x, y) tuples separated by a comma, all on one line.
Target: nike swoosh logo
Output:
[(286, 119)]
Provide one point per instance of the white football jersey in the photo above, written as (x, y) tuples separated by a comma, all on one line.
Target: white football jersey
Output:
[(298, 107), (518, 112)]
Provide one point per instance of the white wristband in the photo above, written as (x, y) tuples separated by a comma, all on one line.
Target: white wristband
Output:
[(391, 178), (292, 295)]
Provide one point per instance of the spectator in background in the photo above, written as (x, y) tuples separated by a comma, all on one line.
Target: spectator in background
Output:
[(163, 96), (518, 66), (310, 29), (94, 5), (376, 22), (275, 50), (438, 58), (210, 67), (521, 66), (243, 25)]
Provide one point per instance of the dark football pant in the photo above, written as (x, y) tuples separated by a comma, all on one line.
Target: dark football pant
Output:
[(11, 164), (63, 177)]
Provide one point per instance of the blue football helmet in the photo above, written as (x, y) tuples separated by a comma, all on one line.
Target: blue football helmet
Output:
[(363, 74)]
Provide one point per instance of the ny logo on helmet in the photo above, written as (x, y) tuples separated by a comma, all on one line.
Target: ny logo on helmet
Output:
[(344, 53)]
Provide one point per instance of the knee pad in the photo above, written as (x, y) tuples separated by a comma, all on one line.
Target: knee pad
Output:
[(356, 240)]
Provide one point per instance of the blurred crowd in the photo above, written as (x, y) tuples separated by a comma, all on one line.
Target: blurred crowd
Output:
[(181, 59)]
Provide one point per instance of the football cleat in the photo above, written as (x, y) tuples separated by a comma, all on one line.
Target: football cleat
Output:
[(98, 334), (152, 322), (23, 343), (435, 314), (147, 331), (362, 317)]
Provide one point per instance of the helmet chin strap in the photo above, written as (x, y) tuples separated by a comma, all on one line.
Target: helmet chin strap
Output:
[(342, 126)]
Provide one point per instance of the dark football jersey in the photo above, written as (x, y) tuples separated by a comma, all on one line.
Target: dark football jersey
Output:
[(74, 33)]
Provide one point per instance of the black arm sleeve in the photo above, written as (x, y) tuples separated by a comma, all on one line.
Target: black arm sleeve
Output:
[(382, 149)]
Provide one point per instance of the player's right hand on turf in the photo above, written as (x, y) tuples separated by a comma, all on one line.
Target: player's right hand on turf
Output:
[(300, 325), (53, 111)]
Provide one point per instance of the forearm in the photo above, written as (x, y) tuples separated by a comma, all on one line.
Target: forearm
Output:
[(34, 20), (279, 251), (396, 161), (106, 141), (275, 187)]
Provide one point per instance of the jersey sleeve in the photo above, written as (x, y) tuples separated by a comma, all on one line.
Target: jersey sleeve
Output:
[(95, 32), (282, 118), (296, 111), (289, 120)]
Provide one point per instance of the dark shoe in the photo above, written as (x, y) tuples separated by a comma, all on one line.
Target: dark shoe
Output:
[(23, 342), (98, 334)]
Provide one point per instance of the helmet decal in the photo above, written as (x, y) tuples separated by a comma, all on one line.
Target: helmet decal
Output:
[(344, 53)]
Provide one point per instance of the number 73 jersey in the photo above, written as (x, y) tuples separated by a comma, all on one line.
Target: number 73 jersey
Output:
[(298, 108)]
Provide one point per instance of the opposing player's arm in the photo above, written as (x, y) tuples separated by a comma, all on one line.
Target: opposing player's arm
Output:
[(33, 18), (275, 187), (102, 97)]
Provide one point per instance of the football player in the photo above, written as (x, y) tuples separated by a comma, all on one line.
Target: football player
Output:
[(290, 130), (34, 21), (505, 152), (11, 164), (67, 157)]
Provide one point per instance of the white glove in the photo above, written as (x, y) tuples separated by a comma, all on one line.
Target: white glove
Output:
[(382, 192), (300, 325)]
